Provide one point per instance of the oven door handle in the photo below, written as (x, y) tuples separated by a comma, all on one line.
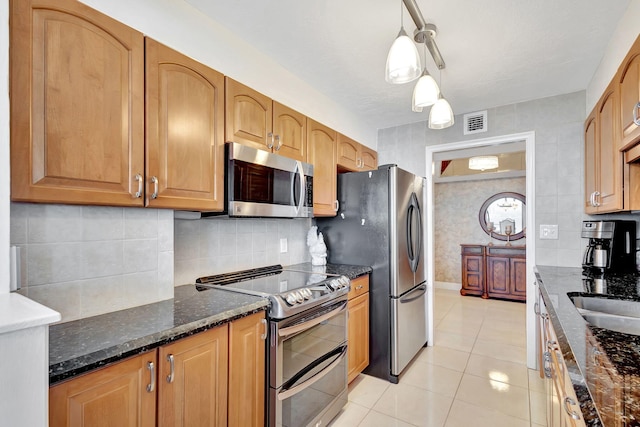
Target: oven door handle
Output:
[(284, 332), (286, 392)]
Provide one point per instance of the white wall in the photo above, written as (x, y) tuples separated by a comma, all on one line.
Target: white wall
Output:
[(625, 34), (4, 146), (182, 27)]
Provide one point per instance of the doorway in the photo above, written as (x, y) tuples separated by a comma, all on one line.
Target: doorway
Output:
[(529, 138)]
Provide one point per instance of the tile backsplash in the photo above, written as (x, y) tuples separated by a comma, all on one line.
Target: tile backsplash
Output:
[(218, 245), (86, 260)]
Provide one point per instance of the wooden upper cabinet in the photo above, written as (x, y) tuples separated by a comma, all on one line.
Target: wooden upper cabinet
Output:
[(77, 109), (192, 380), (591, 172), (353, 156), (628, 80), (290, 132), (118, 395), (248, 116), (247, 371), (184, 131), (609, 156), (321, 153)]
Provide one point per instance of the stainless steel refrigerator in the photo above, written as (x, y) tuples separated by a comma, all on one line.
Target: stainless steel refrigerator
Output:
[(380, 223)]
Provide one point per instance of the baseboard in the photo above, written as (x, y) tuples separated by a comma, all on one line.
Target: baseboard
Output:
[(447, 285)]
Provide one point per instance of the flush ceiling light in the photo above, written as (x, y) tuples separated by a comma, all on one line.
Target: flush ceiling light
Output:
[(483, 162), (403, 60)]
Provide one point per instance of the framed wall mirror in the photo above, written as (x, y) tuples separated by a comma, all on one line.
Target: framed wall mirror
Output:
[(503, 216)]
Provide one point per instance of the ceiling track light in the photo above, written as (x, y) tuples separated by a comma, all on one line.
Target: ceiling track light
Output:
[(403, 65)]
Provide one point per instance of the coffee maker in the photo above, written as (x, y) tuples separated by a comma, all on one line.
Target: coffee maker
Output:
[(611, 247)]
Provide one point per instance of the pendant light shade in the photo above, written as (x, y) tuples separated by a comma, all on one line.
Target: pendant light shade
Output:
[(441, 115), (403, 61), (426, 91)]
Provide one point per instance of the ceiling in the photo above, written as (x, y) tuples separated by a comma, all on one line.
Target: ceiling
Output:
[(497, 52)]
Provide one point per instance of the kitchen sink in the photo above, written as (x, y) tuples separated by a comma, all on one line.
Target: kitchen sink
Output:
[(609, 313)]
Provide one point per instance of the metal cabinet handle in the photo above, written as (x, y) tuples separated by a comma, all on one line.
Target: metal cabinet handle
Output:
[(279, 141), (172, 368), (270, 135), (536, 309), (336, 205), (635, 114), (140, 181), (358, 287), (596, 194), (154, 180), (152, 373), (546, 367), (263, 336), (567, 408)]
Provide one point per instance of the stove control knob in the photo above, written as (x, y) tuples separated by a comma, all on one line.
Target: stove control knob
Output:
[(345, 280), (290, 298), (299, 297), (306, 293), (335, 285)]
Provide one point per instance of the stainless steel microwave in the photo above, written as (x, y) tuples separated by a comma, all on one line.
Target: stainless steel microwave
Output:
[(262, 184)]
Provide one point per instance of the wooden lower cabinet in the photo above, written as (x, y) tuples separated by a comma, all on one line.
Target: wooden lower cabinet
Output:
[(496, 271), (192, 380), (122, 394), (213, 378), (247, 371), (358, 336)]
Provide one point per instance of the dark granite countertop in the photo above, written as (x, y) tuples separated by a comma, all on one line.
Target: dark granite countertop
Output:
[(82, 345), (351, 271), (604, 365)]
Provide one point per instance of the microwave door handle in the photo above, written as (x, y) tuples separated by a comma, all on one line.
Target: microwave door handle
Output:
[(303, 188)]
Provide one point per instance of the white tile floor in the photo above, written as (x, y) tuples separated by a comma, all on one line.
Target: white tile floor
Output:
[(474, 375)]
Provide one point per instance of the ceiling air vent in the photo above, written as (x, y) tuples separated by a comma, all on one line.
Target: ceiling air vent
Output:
[(475, 122)]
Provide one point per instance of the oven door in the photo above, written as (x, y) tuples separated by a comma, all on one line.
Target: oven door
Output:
[(308, 366)]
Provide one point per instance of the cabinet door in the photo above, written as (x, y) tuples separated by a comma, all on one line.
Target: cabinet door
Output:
[(518, 278), (248, 116), (321, 146), (498, 276), (591, 172), (610, 157), (77, 116), (358, 344), (247, 371), (192, 380), (348, 153), (472, 275), (184, 131), (290, 129), (122, 394), (628, 80), (369, 158)]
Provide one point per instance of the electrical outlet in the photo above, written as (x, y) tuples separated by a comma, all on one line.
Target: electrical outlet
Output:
[(549, 232), (283, 245)]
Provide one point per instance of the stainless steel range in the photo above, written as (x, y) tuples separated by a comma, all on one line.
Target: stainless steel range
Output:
[(307, 358)]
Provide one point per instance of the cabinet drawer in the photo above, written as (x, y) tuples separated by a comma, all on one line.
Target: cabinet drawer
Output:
[(359, 286)]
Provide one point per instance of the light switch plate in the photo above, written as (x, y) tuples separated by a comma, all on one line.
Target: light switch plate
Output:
[(549, 232)]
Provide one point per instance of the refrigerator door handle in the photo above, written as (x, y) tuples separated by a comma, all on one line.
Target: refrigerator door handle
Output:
[(422, 289), (414, 255)]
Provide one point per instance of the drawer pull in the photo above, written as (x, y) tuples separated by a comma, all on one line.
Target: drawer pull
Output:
[(358, 287)]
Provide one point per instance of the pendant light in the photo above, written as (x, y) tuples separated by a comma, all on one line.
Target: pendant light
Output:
[(441, 114), (482, 163), (403, 60), (426, 92)]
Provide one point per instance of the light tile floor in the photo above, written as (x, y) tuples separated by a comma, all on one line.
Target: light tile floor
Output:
[(474, 375)]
